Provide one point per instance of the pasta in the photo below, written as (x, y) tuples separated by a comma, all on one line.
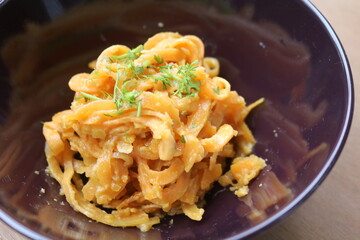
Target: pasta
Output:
[(149, 132)]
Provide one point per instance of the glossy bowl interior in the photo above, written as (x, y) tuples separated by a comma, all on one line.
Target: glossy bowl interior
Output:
[(282, 50)]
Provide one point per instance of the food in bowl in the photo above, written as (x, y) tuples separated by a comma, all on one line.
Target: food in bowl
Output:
[(149, 131), (284, 52)]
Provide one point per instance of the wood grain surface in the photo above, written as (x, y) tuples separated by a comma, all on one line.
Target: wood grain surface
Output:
[(333, 211)]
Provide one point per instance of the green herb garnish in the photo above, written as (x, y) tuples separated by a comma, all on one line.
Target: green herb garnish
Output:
[(182, 139), (128, 73), (184, 78), (165, 77), (184, 112), (135, 72), (158, 59), (90, 97), (124, 97), (216, 90), (139, 108), (187, 86), (130, 55)]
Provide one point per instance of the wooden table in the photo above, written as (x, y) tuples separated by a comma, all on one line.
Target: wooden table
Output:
[(333, 211)]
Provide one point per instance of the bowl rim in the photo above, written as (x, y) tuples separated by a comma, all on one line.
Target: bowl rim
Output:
[(20, 228), (307, 192), (335, 154)]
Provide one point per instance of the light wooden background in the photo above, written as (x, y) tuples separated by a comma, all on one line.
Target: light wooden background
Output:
[(333, 211)]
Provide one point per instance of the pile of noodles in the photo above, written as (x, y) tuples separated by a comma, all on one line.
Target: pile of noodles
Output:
[(148, 133)]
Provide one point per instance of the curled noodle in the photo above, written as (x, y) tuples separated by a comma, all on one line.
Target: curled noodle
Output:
[(148, 132)]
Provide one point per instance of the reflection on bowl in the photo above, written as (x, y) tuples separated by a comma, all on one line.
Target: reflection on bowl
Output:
[(283, 51)]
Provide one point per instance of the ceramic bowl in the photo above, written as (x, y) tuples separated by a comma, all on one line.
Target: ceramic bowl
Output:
[(282, 50)]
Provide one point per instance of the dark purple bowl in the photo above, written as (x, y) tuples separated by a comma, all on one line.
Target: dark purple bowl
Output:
[(283, 50)]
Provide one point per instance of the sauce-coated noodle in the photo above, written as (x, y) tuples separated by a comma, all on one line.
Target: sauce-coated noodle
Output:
[(148, 132)]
